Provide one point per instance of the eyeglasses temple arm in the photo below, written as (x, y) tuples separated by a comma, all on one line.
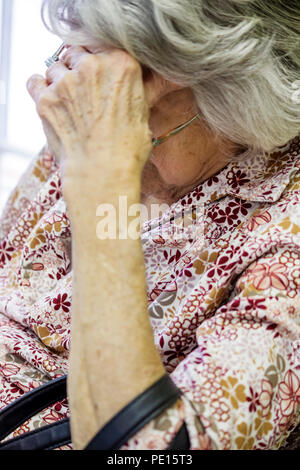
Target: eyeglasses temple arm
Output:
[(175, 131)]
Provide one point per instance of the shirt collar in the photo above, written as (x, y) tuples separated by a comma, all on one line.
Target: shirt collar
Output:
[(262, 178), (256, 178)]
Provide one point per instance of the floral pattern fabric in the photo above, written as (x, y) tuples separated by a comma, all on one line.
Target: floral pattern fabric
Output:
[(223, 292)]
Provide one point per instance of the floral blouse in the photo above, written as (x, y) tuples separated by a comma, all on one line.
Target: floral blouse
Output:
[(223, 292)]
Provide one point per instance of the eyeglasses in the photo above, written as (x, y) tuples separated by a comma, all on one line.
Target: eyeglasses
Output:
[(55, 57), (160, 140), (155, 141)]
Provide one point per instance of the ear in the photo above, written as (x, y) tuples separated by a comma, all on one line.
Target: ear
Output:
[(157, 87)]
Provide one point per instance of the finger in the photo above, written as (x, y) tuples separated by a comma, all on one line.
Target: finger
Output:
[(72, 57), (36, 86), (56, 72)]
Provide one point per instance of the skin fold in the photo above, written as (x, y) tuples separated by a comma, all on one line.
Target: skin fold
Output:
[(99, 111)]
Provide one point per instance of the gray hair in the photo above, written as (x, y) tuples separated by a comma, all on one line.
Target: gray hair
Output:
[(241, 58)]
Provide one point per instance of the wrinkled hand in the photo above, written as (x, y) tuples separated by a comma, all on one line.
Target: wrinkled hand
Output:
[(94, 112)]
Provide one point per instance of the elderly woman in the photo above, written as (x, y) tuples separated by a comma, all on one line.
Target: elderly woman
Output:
[(209, 290)]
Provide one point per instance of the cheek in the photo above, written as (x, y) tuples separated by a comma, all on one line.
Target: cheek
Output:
[(176, 170)]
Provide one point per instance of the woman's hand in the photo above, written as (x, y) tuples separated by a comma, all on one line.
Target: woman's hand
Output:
[(95, 113)]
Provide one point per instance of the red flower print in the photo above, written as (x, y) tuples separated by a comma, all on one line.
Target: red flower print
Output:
[(8, 370), (61, 302), (258, 220), (221, 265), (240, 206), (255, 304), (198, 193), (228, 215), (23, 387), (16, 389), (266, 276), (185, 272), (173, 257), (159, 240), (253, 400), (52, 417), (187, 201), (5, 252), (238, 179), (56, 189), (58, 407), (235, 305), (289, 392), (212, 180), (176, 355), (59, 274)]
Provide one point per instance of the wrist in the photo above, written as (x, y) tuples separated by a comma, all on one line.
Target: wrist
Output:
[(94, 184), (105, 212), (111, 160)]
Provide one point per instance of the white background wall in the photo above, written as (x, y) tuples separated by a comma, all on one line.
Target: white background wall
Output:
[(31, 45)]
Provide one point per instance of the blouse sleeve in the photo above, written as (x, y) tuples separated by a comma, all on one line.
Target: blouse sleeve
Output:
[(36, 175), (241, 385)]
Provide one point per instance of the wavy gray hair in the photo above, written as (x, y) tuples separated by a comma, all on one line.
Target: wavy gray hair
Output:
[(241, 58)]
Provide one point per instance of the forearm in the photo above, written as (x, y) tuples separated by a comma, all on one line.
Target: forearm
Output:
[(113, 356)]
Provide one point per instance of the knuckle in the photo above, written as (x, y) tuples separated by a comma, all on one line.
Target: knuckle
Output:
[(70, 51), (126, 58), (133, 67), (89, 63), (70, 54), (131, 63), (127, 63)]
